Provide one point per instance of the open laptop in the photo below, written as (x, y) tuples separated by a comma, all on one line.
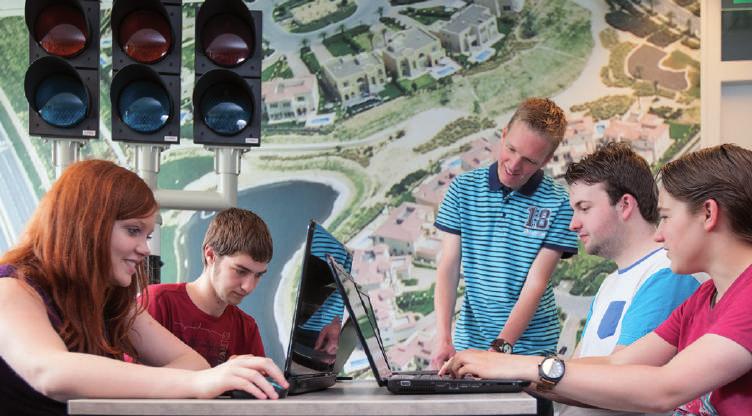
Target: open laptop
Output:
[(413, 382), (313, 355)]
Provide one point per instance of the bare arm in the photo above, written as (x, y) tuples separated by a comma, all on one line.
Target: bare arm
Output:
[(708, 363), (39, 356), (534, 287), (550, 395), (445, 297)]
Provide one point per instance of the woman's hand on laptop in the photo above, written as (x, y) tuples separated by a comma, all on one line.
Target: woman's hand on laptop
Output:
[(242, 372)]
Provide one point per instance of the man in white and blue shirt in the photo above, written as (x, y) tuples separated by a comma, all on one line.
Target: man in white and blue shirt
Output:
[(507, 227), (615, 203)]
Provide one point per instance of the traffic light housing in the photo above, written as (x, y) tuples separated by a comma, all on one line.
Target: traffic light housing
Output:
[(227, 91), (145, 89), (62, 81)]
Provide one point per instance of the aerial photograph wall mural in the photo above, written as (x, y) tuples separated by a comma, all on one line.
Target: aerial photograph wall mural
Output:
[(370, 109)]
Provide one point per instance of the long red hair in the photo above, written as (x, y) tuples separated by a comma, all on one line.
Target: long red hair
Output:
[(66, 252)]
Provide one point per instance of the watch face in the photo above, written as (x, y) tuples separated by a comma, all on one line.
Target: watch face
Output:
[(499, 345), (552, 368)]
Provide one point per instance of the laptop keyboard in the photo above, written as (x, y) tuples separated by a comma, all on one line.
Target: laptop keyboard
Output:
[(430, 376)]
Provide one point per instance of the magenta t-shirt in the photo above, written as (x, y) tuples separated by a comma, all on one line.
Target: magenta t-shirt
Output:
[(730, 318)]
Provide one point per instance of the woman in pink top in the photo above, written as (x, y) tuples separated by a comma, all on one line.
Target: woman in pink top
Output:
[(698, 362)]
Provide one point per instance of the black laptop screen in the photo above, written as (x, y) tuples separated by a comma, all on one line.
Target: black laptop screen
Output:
[(318, 315), (361, 311)]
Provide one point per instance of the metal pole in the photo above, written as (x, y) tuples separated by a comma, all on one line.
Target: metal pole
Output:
[(64, 153), (226, 166)]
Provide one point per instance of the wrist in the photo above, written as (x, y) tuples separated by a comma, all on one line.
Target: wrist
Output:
[(502, 346), (551, 370), (443, 338)]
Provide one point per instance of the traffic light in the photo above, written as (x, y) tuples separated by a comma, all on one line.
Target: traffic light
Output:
[(145, 89), (227, 92), (62, 81)]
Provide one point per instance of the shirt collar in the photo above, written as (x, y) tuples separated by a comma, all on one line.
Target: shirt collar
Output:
[(528, 189)]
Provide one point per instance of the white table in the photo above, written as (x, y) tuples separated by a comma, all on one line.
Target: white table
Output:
[(345, 398)]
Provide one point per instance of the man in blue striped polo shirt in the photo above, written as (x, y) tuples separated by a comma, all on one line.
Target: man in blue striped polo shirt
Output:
[(507, 226)]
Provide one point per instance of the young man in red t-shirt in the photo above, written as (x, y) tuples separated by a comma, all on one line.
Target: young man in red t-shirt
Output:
[(204, 313)]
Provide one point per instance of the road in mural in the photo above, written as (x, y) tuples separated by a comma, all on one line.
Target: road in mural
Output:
[(385, 102)]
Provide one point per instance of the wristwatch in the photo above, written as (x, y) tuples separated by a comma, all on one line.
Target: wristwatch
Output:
[(499, 345), (550, 372)]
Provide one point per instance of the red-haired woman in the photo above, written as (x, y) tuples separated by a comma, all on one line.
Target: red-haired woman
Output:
[(68, 310)]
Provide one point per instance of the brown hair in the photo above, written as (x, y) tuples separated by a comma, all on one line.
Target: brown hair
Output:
[(66, 251), (544, 117), (622, 171), (236, 230), (722, 173)]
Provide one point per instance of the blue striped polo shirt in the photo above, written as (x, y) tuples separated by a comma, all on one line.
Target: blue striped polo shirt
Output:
[(502, 232)]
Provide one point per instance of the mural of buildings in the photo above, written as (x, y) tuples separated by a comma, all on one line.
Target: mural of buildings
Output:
[(499, 7), (648, 135), (372, 266), (398, 256), (431, 192), (290, 99), (355, 79), (472, 29), (405, 227), (481, 153), (579, 140), (410, 53), (313, 11), (413, 354)]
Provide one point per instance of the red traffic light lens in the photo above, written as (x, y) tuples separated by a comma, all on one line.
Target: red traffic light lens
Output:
[(145, 36), (227, 40), (61, 30)]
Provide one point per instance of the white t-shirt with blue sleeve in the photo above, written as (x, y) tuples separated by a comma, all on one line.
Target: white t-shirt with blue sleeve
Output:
[(632, 302)]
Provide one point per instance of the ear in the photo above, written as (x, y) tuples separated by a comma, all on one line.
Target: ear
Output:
[(210, 255), (711, 214), (627, 204)]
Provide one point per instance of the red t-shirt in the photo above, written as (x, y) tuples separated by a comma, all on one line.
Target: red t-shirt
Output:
[(216, 339), (731, 318)]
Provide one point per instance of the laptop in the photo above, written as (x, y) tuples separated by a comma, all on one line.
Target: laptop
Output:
[(361, 312), (313, 354)]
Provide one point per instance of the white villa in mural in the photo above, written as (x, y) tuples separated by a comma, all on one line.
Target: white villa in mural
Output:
[(290, 99), (410, 53), (470, 30), (355, 79)]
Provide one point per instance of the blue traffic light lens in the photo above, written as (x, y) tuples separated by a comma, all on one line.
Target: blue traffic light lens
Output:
[(144, 106), (227, 40), (226, 108), (61, 30), (61, 100), (145, 36)]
